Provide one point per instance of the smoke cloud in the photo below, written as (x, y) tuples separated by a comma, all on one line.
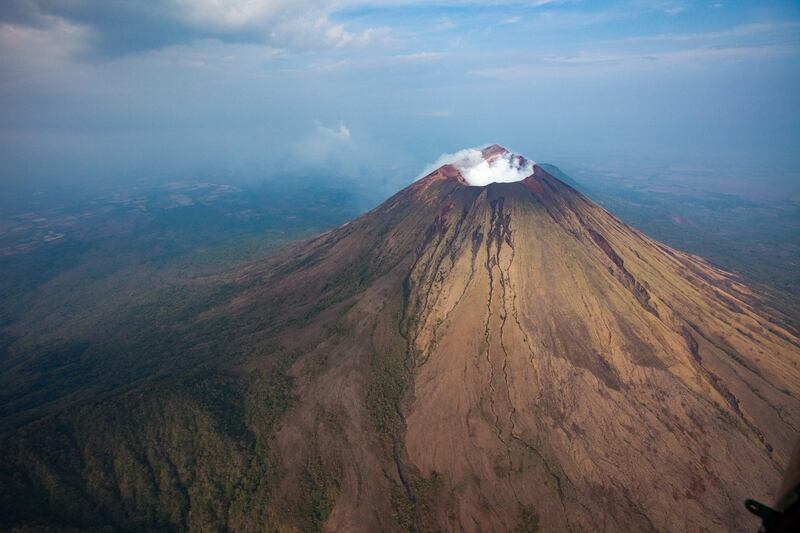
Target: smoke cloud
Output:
[(505, 168)]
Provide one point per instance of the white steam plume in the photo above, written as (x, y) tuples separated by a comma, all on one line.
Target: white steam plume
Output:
[(504, 168)]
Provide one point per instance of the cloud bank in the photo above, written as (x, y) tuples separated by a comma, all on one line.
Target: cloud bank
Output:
[(120, 27), (505, 168)]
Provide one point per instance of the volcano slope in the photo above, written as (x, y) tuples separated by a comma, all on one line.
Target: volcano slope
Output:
[(496, 358)]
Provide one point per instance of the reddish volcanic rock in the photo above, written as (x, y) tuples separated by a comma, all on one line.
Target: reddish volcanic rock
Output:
[(493, 151)]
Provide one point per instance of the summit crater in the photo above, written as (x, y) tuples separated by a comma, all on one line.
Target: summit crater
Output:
[(480, 167)]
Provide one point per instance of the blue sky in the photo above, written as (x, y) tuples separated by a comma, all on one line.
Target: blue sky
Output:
[(104, 90)]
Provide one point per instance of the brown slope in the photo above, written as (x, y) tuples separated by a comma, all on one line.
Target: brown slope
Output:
[(481, 358)]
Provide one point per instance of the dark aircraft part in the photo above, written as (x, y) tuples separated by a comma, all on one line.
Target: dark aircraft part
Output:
[(773, 521), (785, 517)]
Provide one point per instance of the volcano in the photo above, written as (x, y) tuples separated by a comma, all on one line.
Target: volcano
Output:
[(502, 357), (513, 355)]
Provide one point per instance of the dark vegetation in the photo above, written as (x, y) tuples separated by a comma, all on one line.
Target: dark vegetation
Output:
[(119, 407), (419, 514), (390, 378), (188, 453), (528, 520)]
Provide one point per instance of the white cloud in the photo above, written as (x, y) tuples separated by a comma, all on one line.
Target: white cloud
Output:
[(319, 32), (212, 54), (584, 63), (341, 134), (477, 171), (234, 14), (421, 56), (326, 147), (302, 24), (31, 53), (743, 30), (444, 24), (54, 40), (510, 20)]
